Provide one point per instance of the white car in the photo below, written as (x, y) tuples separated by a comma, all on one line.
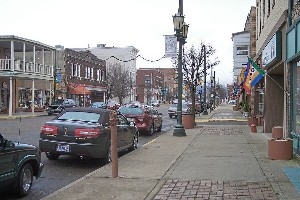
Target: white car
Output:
[(155, 103)]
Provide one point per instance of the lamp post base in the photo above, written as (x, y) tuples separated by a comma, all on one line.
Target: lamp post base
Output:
[(205, 112), (179, 131)]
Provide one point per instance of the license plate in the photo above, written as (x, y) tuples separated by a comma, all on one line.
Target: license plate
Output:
[(63, 148)]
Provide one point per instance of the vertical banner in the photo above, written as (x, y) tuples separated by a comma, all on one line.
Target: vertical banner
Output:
[(170, 46)]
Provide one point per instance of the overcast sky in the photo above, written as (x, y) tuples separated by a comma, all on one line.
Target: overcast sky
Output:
[(119, 23)]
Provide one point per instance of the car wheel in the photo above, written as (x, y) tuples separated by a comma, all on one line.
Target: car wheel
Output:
[(151, 130), (170, 116), (24, 180), (49, 114), (135, 141), (159, 128), (52, 156)]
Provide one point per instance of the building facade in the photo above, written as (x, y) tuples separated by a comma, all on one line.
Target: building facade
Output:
[(150, 83), (293, 58), (271, 27), (126, 56), (26, 74), (80, 75)]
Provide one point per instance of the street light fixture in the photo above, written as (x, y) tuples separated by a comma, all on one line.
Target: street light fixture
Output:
[(181, 29)]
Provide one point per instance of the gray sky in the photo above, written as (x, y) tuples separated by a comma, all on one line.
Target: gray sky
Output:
[(119, 23)]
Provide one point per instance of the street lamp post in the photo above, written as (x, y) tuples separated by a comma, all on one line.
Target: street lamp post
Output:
[(205, 105), (181, 30)]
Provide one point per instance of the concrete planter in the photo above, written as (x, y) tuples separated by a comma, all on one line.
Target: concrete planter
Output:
[(252, 120), (280, 149), (246, 114), (235, 108), (188, 121), (277, 132)]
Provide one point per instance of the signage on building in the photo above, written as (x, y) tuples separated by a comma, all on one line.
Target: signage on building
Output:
[(272, 51)]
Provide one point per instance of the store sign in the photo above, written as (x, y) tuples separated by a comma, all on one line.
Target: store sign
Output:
[(272, 51)]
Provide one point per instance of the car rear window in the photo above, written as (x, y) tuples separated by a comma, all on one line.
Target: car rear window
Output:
[(80, 116), (131, 111), (58, 102)]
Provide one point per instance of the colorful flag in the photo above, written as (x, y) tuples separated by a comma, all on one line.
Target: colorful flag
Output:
[(247, 78), (257, 73)]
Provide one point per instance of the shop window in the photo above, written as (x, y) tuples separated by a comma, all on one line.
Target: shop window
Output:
[(242, 50), (297, 102)]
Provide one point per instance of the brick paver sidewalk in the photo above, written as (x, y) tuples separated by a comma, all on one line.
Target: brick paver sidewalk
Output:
[(206, 189)]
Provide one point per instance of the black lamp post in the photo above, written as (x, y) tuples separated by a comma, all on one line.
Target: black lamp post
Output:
[(204, 95), (181, 29)]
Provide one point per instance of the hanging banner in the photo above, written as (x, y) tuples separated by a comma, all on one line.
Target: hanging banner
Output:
[(170, 46)]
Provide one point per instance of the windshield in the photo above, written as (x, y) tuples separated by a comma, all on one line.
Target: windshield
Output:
[(184, 106), (131, 111), (80, 116)]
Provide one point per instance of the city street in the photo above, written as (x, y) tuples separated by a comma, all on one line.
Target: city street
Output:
[(61, 172)]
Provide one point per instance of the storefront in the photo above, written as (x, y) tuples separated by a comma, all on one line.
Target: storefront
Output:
[(293, 61)]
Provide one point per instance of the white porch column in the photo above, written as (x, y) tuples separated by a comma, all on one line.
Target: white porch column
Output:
[(12, 56), (52, 60), (50, 86), (10, 96), (34, 59), (24, 57), (32, 97), (43, 57)]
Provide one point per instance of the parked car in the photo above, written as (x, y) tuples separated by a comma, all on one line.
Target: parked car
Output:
[(85, 132), (113, 105), (147, 119), (155, 103), (59, 105), (172, 111), (199, 107), (98, 105), (19, 163), (135, 103)]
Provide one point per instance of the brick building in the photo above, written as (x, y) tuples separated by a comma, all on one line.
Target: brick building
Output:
[(80, 76), (150, 83)]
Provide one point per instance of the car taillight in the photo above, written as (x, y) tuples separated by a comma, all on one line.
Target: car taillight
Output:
[(49, 130), (87, 132)]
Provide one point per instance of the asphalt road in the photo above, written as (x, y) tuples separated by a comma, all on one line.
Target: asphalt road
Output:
[(59, 173)]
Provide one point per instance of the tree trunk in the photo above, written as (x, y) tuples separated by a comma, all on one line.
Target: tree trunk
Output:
[(193, 91)]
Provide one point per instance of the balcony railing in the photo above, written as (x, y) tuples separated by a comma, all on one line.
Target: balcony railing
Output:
[(27, 67)]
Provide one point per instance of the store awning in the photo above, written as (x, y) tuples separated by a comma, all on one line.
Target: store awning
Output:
[(78, 89)]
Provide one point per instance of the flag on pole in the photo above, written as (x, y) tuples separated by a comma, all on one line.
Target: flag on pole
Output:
[(257, 74), (247, 79), (170, 46)]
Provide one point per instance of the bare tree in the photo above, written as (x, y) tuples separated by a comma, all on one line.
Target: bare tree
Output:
[(118, 81), (193, 67)]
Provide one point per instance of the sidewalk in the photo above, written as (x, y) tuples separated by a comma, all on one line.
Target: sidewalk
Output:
[(22, 114), (211, 162)]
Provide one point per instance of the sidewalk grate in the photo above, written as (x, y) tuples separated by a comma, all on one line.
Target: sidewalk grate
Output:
[(206, 189)]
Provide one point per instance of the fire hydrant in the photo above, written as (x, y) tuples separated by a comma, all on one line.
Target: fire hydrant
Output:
[(114, 150)]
